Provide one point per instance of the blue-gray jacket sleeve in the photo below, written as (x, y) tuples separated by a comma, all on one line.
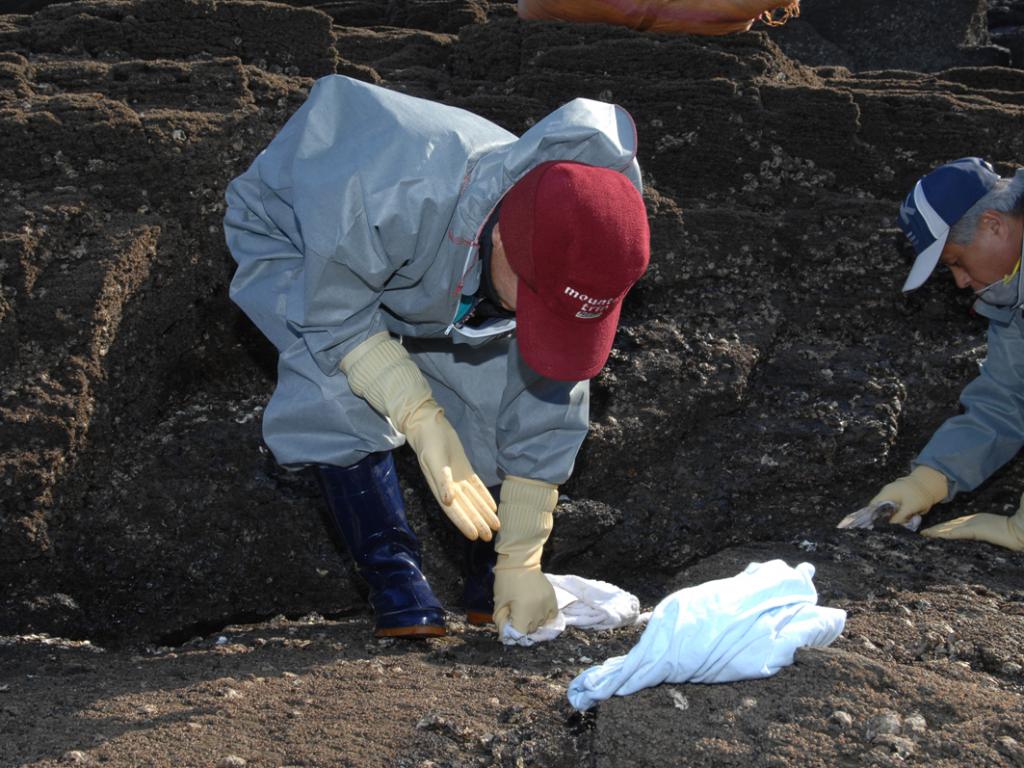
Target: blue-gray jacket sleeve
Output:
[(309, 264), (541, 423), (969, 447)]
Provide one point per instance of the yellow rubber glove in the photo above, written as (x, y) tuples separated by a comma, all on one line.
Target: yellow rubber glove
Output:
[(915, 493), (522, 594), (1000, 530), (381, 371)]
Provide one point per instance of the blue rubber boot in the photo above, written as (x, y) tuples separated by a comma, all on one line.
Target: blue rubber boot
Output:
[(478, 559), (366, 509)]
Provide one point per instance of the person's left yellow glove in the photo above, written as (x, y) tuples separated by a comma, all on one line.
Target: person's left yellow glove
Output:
[(522, 594), (995, 529)]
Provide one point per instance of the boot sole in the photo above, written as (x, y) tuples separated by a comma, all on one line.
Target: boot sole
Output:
[(412, 633), (479, 618)]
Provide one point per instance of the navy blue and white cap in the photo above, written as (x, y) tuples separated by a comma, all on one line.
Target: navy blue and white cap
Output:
[(936, 203)]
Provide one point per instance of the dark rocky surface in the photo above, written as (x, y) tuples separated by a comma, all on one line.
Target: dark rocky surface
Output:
[(768, 377), (1006, 28), (918, 35)]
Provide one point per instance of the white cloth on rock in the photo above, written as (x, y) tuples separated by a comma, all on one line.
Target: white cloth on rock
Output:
[(584, 603), (746, 626)]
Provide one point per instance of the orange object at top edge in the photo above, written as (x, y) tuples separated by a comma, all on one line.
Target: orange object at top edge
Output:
[(697, 17)]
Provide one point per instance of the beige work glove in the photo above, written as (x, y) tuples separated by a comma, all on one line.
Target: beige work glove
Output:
[(381, 371), (914, 494), (1000, 530), (522, 594)]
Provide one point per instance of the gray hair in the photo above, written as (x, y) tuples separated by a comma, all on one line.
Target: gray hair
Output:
[(1007, 196)]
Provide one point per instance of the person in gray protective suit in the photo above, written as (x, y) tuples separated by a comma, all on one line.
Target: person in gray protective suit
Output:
[(428, 277), (964, 216)]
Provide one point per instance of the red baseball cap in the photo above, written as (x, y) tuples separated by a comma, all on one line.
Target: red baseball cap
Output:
[(577, 238)]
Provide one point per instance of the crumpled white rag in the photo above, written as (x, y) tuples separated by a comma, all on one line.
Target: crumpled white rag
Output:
[(739, 628), (584, 603)]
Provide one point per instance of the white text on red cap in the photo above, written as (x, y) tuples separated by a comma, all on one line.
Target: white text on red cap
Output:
[(591, 307)]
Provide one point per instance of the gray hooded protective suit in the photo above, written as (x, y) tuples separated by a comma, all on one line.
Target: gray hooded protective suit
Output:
[(363, 215)]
